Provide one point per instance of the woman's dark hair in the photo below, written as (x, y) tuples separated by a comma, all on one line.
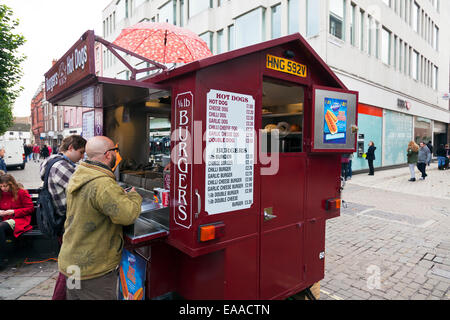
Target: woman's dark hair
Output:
[(13, 186), (76, 141)]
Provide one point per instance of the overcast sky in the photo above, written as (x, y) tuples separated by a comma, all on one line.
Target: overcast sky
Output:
[(50, 27)]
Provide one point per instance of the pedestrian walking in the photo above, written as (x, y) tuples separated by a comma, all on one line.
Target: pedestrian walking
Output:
[(30, 155), (441, 156), (27, 151), (350, 172), (97, 209), (44, 152), (16, 208), (72, 150), (345, 159), (36, 153), (2, 161), (424, 157), (370, 157), (412, 155), (430, 147), (447, 154)]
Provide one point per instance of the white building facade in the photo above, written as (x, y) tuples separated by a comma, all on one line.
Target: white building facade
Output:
[(395, 53)]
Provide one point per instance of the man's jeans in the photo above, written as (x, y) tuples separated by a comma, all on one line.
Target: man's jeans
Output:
[(441, 161)]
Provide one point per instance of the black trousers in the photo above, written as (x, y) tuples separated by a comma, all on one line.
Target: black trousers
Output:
[(5, 230), (371, 169), (422, 168)]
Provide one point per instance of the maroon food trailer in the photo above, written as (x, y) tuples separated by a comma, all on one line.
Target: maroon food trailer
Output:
[(253, 139)]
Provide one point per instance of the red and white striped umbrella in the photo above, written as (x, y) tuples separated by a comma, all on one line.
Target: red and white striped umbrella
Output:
[(163, 42)]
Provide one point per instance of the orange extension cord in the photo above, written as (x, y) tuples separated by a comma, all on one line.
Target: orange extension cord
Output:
[(32, 262)]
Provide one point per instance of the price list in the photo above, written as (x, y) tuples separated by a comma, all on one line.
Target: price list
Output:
[(229, 154)]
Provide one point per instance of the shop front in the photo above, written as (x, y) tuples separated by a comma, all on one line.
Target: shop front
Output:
[(370, 126)]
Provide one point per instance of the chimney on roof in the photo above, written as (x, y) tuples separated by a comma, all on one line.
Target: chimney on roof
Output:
[(54, 61)]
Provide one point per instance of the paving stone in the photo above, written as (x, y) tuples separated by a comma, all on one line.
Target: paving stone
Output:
[(418, 297)]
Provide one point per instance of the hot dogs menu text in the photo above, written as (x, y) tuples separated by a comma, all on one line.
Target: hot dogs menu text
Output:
[(229, 154)]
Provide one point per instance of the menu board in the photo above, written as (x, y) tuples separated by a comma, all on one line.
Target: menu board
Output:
[(229, 154), (88, 124)]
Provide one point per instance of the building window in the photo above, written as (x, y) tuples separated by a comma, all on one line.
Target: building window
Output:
[(361, 30), (126, 8), (231, 38), (377, 40), (197, 6), (395, 51), (276, 21), (386, 46), (181, 13), (370, 36), (435, 77), (220, 42), (337, 18), (293, 15), (387, 2), (312, 18), (167, 13), (415, 65), (436, 38), (138, 3), (253, 20), (416, 17), (208, 38), (352, 25), (120, 10)]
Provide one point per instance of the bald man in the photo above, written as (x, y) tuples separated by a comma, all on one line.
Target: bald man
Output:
[(97, 209)]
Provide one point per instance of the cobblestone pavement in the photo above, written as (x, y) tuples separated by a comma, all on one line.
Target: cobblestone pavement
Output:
[(392, 241)]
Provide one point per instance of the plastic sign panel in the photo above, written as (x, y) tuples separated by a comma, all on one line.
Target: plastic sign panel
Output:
[(334, 120), (132, 276), (286, 66), (229, 154), (335, 130)]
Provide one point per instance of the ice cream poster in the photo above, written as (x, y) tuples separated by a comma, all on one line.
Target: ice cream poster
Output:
[(131, 277), (335, 121)]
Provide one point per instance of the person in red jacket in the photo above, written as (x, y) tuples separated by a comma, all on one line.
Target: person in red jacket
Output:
[(16, 208)]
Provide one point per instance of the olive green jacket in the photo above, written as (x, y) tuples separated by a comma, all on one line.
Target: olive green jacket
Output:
[(412, 156), (97, 208)]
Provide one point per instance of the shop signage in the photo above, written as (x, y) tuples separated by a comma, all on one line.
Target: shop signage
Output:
[(229, 154), (286, 66), (403, 104), (77, 64), (182, 157)]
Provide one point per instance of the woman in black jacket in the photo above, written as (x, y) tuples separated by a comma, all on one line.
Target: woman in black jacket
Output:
[(371, 157)]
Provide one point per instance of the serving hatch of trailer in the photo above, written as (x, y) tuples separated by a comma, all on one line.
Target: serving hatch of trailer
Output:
[(247, 144)]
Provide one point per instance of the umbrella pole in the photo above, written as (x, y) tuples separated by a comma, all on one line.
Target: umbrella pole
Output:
[(165, 46)]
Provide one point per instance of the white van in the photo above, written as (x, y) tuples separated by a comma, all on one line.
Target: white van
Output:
[(14, 153)]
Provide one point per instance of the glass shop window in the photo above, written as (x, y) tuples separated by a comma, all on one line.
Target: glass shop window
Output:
[(282, 116)]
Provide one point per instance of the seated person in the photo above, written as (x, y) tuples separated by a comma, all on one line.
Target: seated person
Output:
[(16, 208)]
